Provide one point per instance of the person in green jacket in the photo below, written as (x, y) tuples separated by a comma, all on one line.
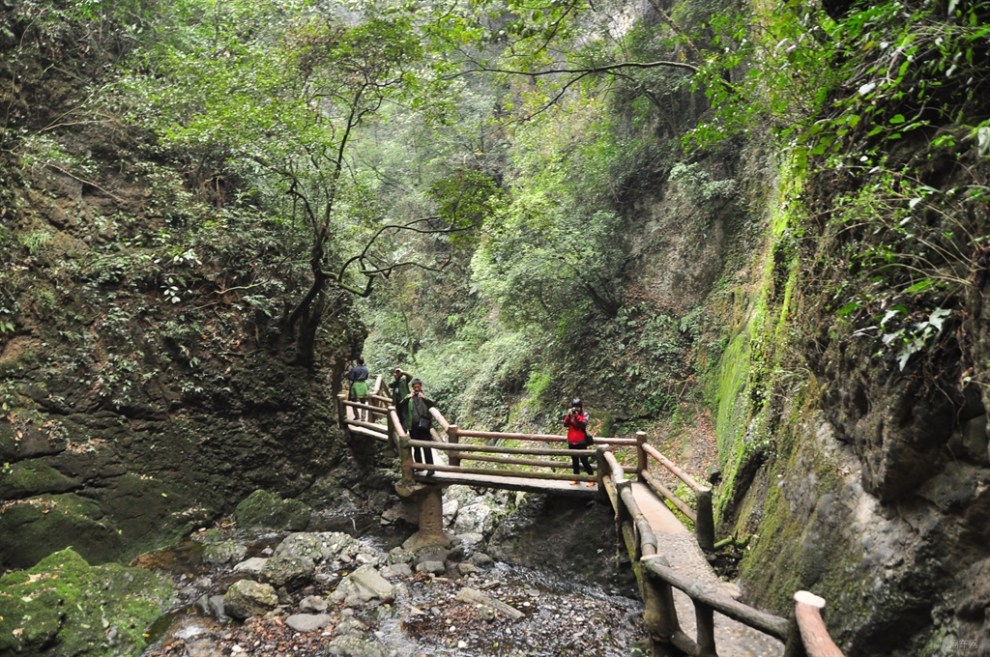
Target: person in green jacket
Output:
[(400, 390), (358, 376), (418, 421)]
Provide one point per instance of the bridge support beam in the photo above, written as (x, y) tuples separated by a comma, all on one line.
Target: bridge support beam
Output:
[(429, 499)]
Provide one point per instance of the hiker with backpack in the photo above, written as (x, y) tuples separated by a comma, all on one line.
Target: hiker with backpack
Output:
[(358, 376)]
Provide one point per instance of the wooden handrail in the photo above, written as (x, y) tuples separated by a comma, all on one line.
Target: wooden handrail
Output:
[(501, 449), (616, 471), (672, 467), (658, 487), (541, 437), (521, 474), (438, 416), (536, 463), (703, 514), (767, 623), (368, 407)]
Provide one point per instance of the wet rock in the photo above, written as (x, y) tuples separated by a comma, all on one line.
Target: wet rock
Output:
[(396, 570), (478, 517), (32, 528), (319, 546), (398, 555), (363, 585), (403, 511), (262, 509), (450, 507), (432, 553), (431, 566), (59, 601), (287, 570), (480, 559), (465, 568), (212, 606), (251, 566), (224, 552), (971, 442), (313, 603), (247, 598), (477, 597), (33, 476), (355, 646), (308, 622)]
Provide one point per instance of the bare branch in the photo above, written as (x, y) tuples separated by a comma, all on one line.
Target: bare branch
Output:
[(592, 70)]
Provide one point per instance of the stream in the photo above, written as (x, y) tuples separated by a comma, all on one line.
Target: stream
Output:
[(548, 581)]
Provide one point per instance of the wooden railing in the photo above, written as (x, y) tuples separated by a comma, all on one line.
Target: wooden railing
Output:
[(702, 515), (804, 636)]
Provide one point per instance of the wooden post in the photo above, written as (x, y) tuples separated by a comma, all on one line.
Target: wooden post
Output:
[(705, 619), (641, 462), (342, 410), (704, 524), (659, 613), (453, 438), (405, 458), (808, 634), (392, 421)]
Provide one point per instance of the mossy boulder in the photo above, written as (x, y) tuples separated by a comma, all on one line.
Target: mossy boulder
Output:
[(246, 598), (32, 477), (265, 510), (64, 607), (33, 528)]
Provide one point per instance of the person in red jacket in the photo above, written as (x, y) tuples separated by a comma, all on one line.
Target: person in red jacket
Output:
[(576, 421)]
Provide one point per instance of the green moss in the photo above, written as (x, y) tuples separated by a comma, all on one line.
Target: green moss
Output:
[(757, 367), (267, 510), (31, 478), (64, 607), (33, 528)]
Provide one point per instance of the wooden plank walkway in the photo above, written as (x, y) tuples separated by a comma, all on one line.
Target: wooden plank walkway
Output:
[(555, 487), (677, 547), (505, 482)]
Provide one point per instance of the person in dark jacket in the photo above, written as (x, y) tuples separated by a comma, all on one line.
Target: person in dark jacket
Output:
[(358, 376), (576, 421), (400, 390), (418, 421)]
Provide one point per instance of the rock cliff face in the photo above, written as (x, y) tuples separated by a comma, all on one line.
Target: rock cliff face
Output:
[(857, 462), (144, 382)]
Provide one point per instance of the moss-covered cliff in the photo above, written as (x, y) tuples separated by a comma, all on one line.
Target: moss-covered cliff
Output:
[(145, 383), (852, 397)]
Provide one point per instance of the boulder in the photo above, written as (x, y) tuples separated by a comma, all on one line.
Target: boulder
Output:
[(313, 603), (251, 566), (224, 552), (287, 570), (62, 598), (363, 585), (308, 622), (318, 547), (355, 646), (264, 510), (246, 598)]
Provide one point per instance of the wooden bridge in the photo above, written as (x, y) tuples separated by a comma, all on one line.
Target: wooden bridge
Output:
[(668, 559)]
